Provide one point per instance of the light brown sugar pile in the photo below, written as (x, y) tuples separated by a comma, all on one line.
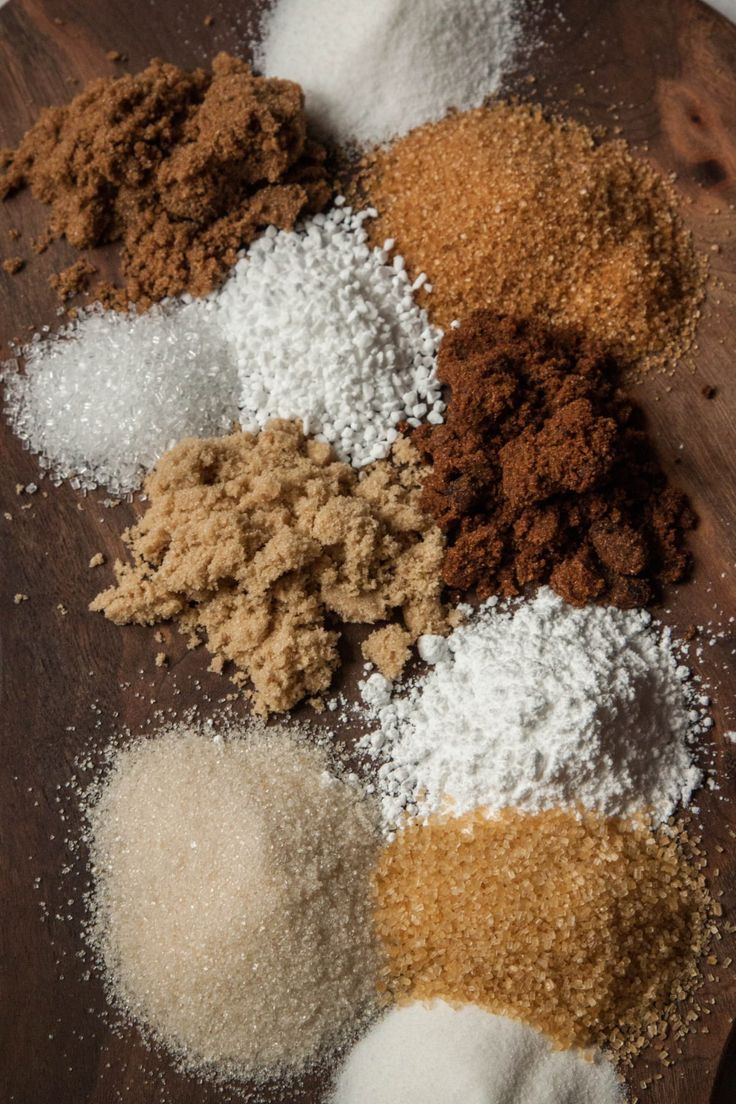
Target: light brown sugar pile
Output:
[(253, 541), (505, 209), (231, 902), (589, 929), (183, 168)]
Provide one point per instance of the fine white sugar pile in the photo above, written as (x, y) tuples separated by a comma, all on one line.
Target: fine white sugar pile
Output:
[(104, 399), (371, 71), (437, 1054), (231, 904), (537, 706), (325, 329)]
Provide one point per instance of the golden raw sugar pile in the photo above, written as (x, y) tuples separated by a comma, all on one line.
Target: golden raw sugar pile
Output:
[(589, 929), (505, 209), (253, 541)]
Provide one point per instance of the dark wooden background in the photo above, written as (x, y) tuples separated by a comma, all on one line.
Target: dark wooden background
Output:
[(664, 71)]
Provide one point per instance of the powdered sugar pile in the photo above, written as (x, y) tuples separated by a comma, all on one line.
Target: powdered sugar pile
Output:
[(106, 397), (371, 71), (536, 706), (325, 329)]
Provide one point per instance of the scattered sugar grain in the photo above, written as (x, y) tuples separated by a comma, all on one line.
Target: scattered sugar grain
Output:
[(231, 899)]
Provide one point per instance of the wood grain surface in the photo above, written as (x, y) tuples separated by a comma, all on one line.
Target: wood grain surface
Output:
[(664, 71)]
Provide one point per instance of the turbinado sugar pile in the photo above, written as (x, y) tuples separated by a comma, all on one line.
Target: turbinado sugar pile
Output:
[(544, 472), (508, 210), (539, 705), (251, 542), (231, 902), (373, 71), (104, 399), (436, 1053), (589, 930), (325, 329), (183, 168)]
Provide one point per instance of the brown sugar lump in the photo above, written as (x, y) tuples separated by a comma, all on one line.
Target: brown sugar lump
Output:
[(543, 471), (260, 544), (183, 168), (588, 929), (506, 209), (231, 901)]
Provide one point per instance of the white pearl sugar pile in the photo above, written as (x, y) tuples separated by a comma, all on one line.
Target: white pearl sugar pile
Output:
[(312, 324), (325, 329)]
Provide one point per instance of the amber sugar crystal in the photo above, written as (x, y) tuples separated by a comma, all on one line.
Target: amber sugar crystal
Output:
[(589, 929), (507, 209)]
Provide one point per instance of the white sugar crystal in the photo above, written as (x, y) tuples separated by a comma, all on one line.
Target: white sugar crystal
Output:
[(104, 399), (323, 330)]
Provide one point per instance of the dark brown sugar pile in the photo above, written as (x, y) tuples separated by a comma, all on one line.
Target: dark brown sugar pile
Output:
[(589, 929), (183, 168), (543, 471), (506, 209)]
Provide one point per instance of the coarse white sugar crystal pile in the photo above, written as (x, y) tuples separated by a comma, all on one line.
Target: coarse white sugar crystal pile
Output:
[(325, 329), (105, 398), (371, 71), (540, 705)]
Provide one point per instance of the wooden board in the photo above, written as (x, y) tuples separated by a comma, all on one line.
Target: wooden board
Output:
[(665, 72)]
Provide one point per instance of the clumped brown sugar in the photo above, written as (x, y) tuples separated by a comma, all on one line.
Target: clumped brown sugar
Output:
[(183, 168), (543, 471), (589, 929), (506, 209), (254, 541)]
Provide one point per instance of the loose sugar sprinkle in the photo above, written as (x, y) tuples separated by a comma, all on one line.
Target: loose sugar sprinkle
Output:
[(231, 907), (373, 71), (104, 399), (325, 329), (435, 1053), (588, 929), (507, 210), (539, 705)]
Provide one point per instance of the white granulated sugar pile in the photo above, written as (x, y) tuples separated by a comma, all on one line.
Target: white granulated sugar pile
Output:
[(325, 329), (231, 905), (536, 706), (438, 1054), (104, 399), (371, 71)]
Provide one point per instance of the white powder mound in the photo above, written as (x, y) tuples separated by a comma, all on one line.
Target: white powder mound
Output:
[(436, 1054), (536, 706), (101, 401), (231, 905), (325, 329), (371, 71)]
